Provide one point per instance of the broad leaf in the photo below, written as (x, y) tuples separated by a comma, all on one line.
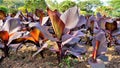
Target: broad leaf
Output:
[(40, 14), (1, 24), (70, 17), (36, 33), (103, 42), (65, 37), (44, 20), (1, 45), (111, 25), (82, 20), (30, 38), (96, 28), (117, 49), (48, 44), (44, 30), (91, 21), (76, 50), (4, 36), (116, 32), (99, 15), (17, 14), (14, 36), (2, 15), (118, 24), (78, 33), (11, 25), (71, 40), (57, 23), (42, 48), (101, 23)]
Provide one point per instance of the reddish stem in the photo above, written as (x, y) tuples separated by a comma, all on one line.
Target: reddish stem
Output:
[(59, 53), (6, 51), (110, 37), (95, 52)]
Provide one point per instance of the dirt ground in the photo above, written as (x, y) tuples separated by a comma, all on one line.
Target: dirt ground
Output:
[(24, 60)]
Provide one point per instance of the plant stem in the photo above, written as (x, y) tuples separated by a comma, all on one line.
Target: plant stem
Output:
[(95, 52), (59, 53), (6, 51)]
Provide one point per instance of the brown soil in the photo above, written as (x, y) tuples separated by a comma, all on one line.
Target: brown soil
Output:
[(24, 60)]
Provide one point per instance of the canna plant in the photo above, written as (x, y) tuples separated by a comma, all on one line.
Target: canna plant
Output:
[(67, 21), (111, 26), (99, 40), (9, 31), (59, 27), (64, 33)]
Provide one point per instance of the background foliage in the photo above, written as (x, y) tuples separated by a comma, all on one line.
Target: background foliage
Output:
[(86, 7)]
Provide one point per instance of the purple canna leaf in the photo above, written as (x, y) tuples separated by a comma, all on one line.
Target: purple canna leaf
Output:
[(78, 49), (111, 25), (1, 45), (17, 14), (78, 33), (42, 48), (103, 43), (1, 24), (66, 37), (118, 23), (78, 55), (71, 40), (70, 17), (44, 30), (118, 42), (117, 49), (101, 23), (14, 36), (66, 31), (99, 15), (82, 20), (44, 20), (25, 22), (11, 25), (96, 28), (116, 32), (91, 18)]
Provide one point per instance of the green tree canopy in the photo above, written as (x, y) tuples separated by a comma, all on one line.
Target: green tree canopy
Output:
[(52, 4), (89, 5), (116, 5), (1, 1), (3, 8), (12, 5), (31, 5), (105, 10), (60, 6), (66, 4)]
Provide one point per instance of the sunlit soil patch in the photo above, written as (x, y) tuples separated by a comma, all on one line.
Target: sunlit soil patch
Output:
[(23, 59)]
